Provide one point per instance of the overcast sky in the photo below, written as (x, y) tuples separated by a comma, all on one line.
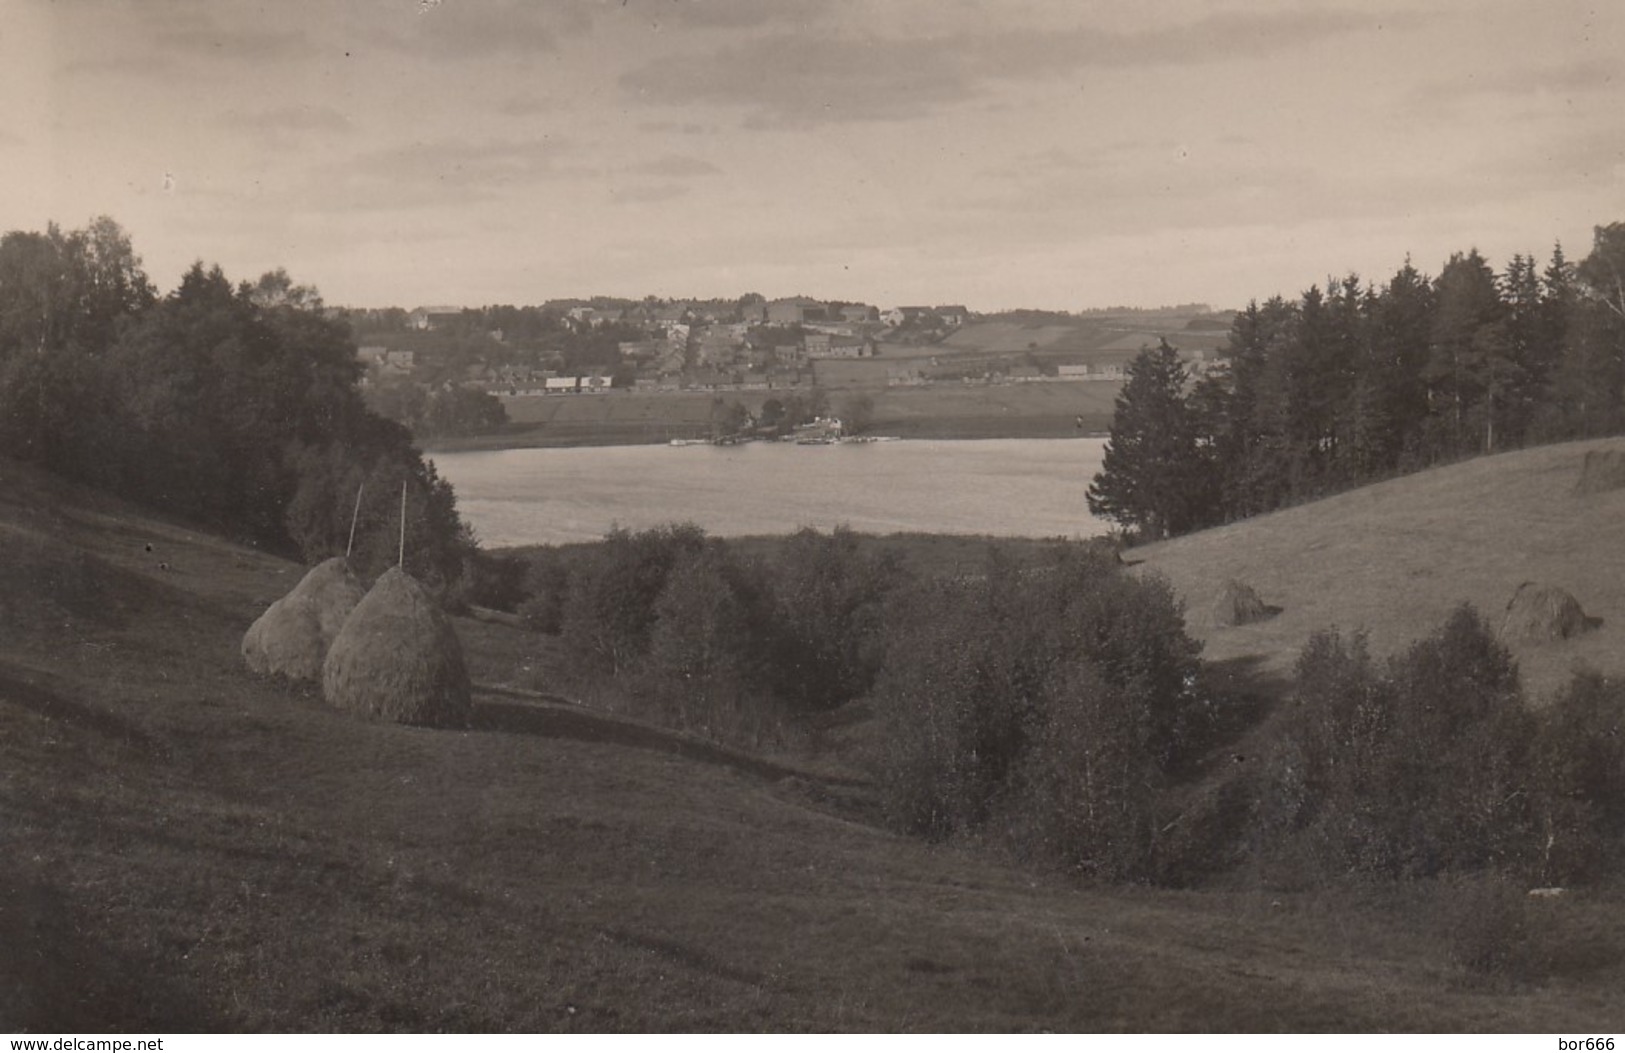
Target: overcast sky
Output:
[(997, 153)]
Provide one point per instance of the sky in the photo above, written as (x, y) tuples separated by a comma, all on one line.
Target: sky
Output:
[(1060, 154)]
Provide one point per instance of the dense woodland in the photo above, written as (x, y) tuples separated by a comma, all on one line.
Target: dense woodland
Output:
[(1358, 382), (236, 407)]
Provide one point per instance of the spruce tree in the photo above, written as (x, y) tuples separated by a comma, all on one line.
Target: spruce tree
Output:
[(1151, 478)]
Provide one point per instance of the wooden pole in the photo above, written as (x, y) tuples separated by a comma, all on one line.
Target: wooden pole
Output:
[(353, 517), (402, 560)]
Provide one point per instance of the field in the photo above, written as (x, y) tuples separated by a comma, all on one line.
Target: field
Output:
[(1395, 558), (187, 847), (946, 409)]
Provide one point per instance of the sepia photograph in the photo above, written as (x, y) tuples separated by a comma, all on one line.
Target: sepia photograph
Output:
[(894, 517)]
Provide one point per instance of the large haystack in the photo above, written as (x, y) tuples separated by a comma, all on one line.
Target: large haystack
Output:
[(1601, 471), (294, 633), (1543, 614), (1238, 604), (398, 657)]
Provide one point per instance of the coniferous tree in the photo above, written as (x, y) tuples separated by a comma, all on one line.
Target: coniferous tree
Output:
[(1151, 479)]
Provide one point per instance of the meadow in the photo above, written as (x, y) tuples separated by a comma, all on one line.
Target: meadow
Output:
[(1394, 558)]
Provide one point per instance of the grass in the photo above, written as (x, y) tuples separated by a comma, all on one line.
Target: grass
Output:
[(187, 847), (1395, 558)]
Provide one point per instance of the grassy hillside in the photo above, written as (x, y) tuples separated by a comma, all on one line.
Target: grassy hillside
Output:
[(1395, 558), (183, 846)]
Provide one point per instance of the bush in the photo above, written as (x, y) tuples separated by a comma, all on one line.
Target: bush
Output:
[(609, 610), (1046, 706), (827, 601), (1578, 758), (703, 670), (547, 582), (497, 582), (1410, 772), (954, 708)]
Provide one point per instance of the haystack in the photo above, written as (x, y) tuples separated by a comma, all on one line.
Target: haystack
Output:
[(398, 657), (294, 633), (1544, 614), (1601, 471), (1238, 604)]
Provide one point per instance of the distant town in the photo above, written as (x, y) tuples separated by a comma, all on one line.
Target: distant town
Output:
[(752, 344)]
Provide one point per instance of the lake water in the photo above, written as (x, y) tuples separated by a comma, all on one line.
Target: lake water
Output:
[(1002, 487)]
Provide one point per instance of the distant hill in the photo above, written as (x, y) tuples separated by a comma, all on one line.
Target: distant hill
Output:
[(1396, 557), (1092, 338)]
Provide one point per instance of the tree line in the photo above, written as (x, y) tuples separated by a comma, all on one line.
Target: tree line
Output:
[(1056, 709), (1358, 382), (234, 407)]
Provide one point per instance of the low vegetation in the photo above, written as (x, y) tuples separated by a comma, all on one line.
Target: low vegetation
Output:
[(1058, 710)]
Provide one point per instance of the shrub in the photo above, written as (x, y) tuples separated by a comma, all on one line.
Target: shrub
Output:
[(703, 669), (1087, 787), (1578, 759), (1414, 771), (497, 582), (547, 582), (827, 601), (609, 609), (954, 708), (1046, 704)]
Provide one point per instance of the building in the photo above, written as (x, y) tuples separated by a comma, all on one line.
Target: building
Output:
[(794, 310), (433, 317)]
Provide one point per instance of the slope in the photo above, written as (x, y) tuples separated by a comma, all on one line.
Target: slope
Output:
[(183, 847), (1396, 557)]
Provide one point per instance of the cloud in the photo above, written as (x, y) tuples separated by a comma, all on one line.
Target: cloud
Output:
[(464, 29), (1593, 75), (232, 43), (804, 78), (676, 127), (724, 14), (286, 119), (677, 166), (526, 106), (438, 172), (648, 194)]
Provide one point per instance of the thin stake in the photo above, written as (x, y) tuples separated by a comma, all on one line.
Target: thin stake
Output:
[(353, 517), (402, 561)]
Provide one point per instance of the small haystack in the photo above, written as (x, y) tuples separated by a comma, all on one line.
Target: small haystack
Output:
[(294, 633), (1238, 604), (398, 657), (1544, 614), (1601, 471)]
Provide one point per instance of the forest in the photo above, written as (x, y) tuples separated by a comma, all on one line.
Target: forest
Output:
[(233, 407), (1358, 382)]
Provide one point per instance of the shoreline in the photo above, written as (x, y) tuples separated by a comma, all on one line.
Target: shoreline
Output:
[(532, 437)]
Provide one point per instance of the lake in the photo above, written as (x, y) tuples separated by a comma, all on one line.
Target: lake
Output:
[(1001, 487)]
